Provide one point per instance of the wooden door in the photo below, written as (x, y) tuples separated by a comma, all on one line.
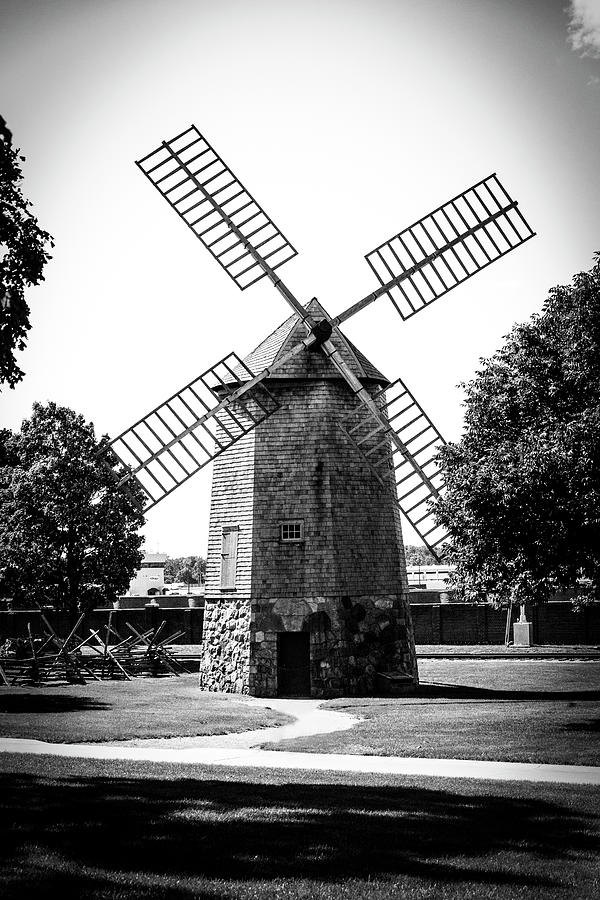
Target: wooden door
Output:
[(293, 664)]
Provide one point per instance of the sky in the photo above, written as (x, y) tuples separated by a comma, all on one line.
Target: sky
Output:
[(347, 120)]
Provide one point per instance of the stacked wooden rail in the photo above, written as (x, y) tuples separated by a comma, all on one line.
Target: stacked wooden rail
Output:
[(104, 654)]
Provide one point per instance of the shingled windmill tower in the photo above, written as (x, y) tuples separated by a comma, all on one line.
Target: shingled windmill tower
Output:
[(316, 453), (306, 581)]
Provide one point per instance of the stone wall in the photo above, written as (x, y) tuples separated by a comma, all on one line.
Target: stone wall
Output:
[(225, 657), (352, 643)]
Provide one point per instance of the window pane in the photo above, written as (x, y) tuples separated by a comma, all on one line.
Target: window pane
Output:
[(291, 531)]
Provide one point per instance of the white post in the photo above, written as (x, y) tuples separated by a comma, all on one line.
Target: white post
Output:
[(522, 630)]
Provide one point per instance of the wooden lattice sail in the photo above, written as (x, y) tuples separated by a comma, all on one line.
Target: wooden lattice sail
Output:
[(416, 266)]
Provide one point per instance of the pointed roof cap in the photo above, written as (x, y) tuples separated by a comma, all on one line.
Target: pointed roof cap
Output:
[(309, 364)]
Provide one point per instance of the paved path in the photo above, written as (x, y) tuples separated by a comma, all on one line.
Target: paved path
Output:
[(331, 762), (239, 750), (308, 718)]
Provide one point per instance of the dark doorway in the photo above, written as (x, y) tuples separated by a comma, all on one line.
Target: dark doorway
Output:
[(293, 664)]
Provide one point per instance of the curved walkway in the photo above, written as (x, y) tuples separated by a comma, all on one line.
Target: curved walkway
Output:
[(308, 717), (239, 751)]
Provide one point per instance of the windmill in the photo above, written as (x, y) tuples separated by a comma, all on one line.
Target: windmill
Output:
[(347, 638)]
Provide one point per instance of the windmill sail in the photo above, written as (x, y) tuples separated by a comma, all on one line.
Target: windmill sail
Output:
[(415, 267), (445, 248), (215, 205), (190, 429), (402, 447)]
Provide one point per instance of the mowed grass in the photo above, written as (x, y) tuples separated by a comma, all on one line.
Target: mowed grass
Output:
[(123, 710), (514, 710), (544, 711), (111, 830)]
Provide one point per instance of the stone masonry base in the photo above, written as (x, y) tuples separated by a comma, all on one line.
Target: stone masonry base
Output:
[(225, 659), (359, 646)]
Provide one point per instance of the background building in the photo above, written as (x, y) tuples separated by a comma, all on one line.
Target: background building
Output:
[(427, 577), (150, 577)]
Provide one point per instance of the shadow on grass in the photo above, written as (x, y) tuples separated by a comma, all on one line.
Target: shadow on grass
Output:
[(433, 691), (92, 837), (48, 703), (593, 725)]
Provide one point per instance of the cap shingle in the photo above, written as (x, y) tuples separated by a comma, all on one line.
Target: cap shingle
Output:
[(308, 364)]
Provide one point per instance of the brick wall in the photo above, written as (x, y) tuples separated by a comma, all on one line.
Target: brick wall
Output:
[(555, 623), (14, 624), (457, 623)]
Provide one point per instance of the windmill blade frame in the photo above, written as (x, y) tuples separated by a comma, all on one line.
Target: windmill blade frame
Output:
[(162, 449), (184, 433), (439, 251), (445, 248), (411, 463), (215, 205)]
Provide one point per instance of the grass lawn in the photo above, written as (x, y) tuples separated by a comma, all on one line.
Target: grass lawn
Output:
[(518, 710), (120, 710), (110, 831)]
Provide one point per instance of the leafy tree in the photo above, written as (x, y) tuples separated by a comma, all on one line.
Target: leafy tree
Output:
[(68, 535), (186, 575), (23, 256), (190, 569), (418, 556), (523, 499)]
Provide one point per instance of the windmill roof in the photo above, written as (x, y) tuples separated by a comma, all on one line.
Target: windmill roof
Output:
[(308, 364)]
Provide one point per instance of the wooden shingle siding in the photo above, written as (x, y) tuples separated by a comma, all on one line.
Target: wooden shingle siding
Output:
[(305, 468), (232, 504)]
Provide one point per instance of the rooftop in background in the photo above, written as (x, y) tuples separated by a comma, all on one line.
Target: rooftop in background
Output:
[(152, 558)]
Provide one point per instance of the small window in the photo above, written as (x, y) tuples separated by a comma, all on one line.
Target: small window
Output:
[(291, 531)]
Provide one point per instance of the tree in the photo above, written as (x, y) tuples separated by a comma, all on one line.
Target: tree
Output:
[(68, 535), (190, 569), (23, 256), (418, 556), (523, 484)]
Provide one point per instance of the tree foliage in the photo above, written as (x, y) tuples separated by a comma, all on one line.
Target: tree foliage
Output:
[(23, 256), (68, 535), (418, 556), (189, 569), (523, 483)]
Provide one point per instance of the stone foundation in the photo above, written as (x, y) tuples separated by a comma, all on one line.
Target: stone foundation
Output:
[(225, 661), (359, 646)]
